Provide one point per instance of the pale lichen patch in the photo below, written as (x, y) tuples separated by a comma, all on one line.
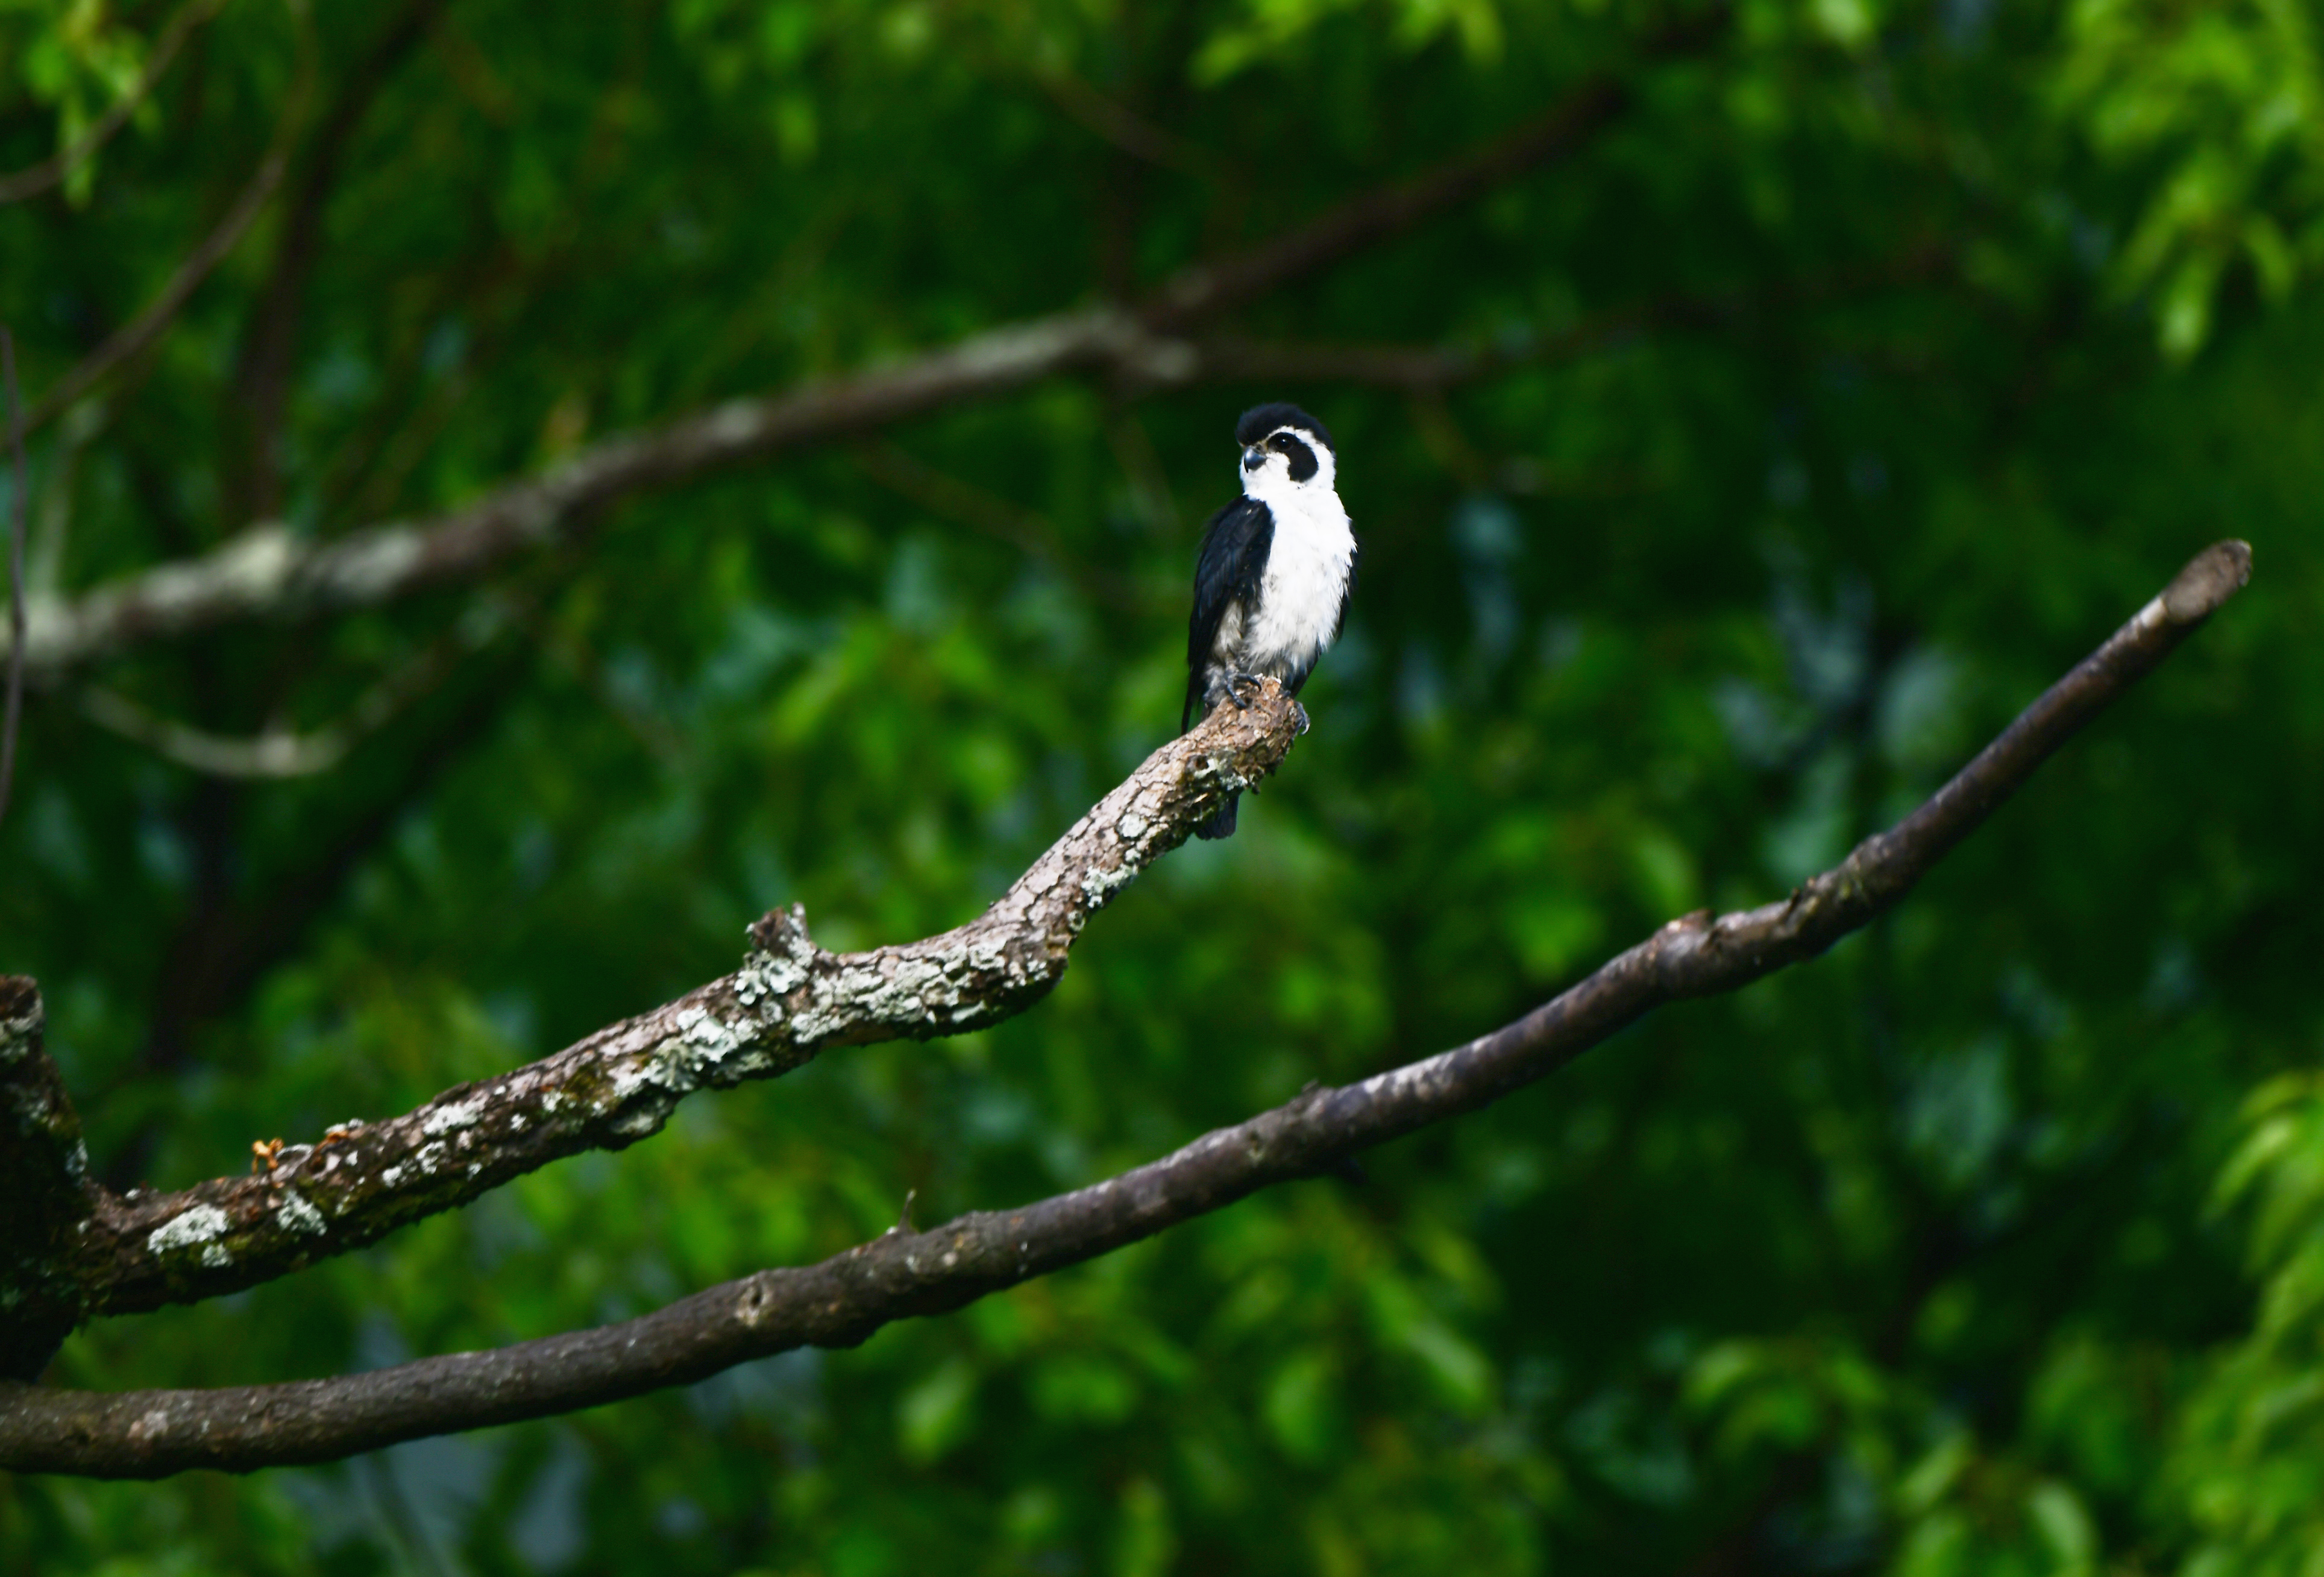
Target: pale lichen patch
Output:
[(647, 1118), (201, 1224), (296, 1215), (459, 1114), (1100, 884)]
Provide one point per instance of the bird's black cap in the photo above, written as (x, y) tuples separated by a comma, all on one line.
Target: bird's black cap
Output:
[(1262, 420)]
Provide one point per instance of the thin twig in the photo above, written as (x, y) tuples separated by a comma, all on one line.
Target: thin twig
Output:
[(36, 179), (271, 753), (841, 1301), (281, 752), (144, 329), (1120, 126), (141, 331), (1600, 100)]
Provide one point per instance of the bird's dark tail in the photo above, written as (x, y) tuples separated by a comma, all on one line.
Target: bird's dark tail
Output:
[(1221, 821)]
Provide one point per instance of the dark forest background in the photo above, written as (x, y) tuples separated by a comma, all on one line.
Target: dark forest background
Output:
[(1872, 362)]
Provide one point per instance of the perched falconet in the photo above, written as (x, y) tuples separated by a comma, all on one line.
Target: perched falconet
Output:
[(1271, 581)]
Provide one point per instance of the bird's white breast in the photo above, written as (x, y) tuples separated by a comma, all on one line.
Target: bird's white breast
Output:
[(1307, 568)]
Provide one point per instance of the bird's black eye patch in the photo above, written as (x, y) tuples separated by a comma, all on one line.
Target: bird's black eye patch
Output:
[(1302, 457)]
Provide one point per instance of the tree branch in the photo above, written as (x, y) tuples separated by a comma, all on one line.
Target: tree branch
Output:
[(1205, 292), (277, 751), (1434, 369), (789, 1001), (45, 1190), (841, 1301), (273, 752), (268, 573), (1118, 125)]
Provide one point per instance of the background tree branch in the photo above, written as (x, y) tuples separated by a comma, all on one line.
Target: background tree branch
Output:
[(268, 573), (279, 751), (1204, 291), (841, 1301)]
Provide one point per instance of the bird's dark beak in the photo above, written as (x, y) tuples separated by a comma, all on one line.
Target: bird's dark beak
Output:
[(1253, 458)]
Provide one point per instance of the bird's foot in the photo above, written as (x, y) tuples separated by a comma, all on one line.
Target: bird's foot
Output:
[(1298, 719), (1237, 683)]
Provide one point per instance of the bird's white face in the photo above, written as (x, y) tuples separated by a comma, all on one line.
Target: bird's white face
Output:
[(1288, 463)]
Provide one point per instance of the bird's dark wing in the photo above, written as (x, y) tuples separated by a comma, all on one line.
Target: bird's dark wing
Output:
[(1228, 569)]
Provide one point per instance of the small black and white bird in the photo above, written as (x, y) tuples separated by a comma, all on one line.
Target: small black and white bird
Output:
[(1271, 582)]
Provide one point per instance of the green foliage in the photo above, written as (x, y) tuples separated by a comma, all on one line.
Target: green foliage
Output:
[(2225, 106), (1966, 1249), (2247, 1468), (76, 59)]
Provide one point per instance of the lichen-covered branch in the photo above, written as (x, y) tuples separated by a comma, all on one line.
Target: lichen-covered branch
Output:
[(844, 1300), (45, 1191), (790, 1001)]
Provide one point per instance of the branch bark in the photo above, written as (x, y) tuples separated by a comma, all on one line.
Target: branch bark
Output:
[(841, 1301), (268, 573), (45, 1190), (280, 751)]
